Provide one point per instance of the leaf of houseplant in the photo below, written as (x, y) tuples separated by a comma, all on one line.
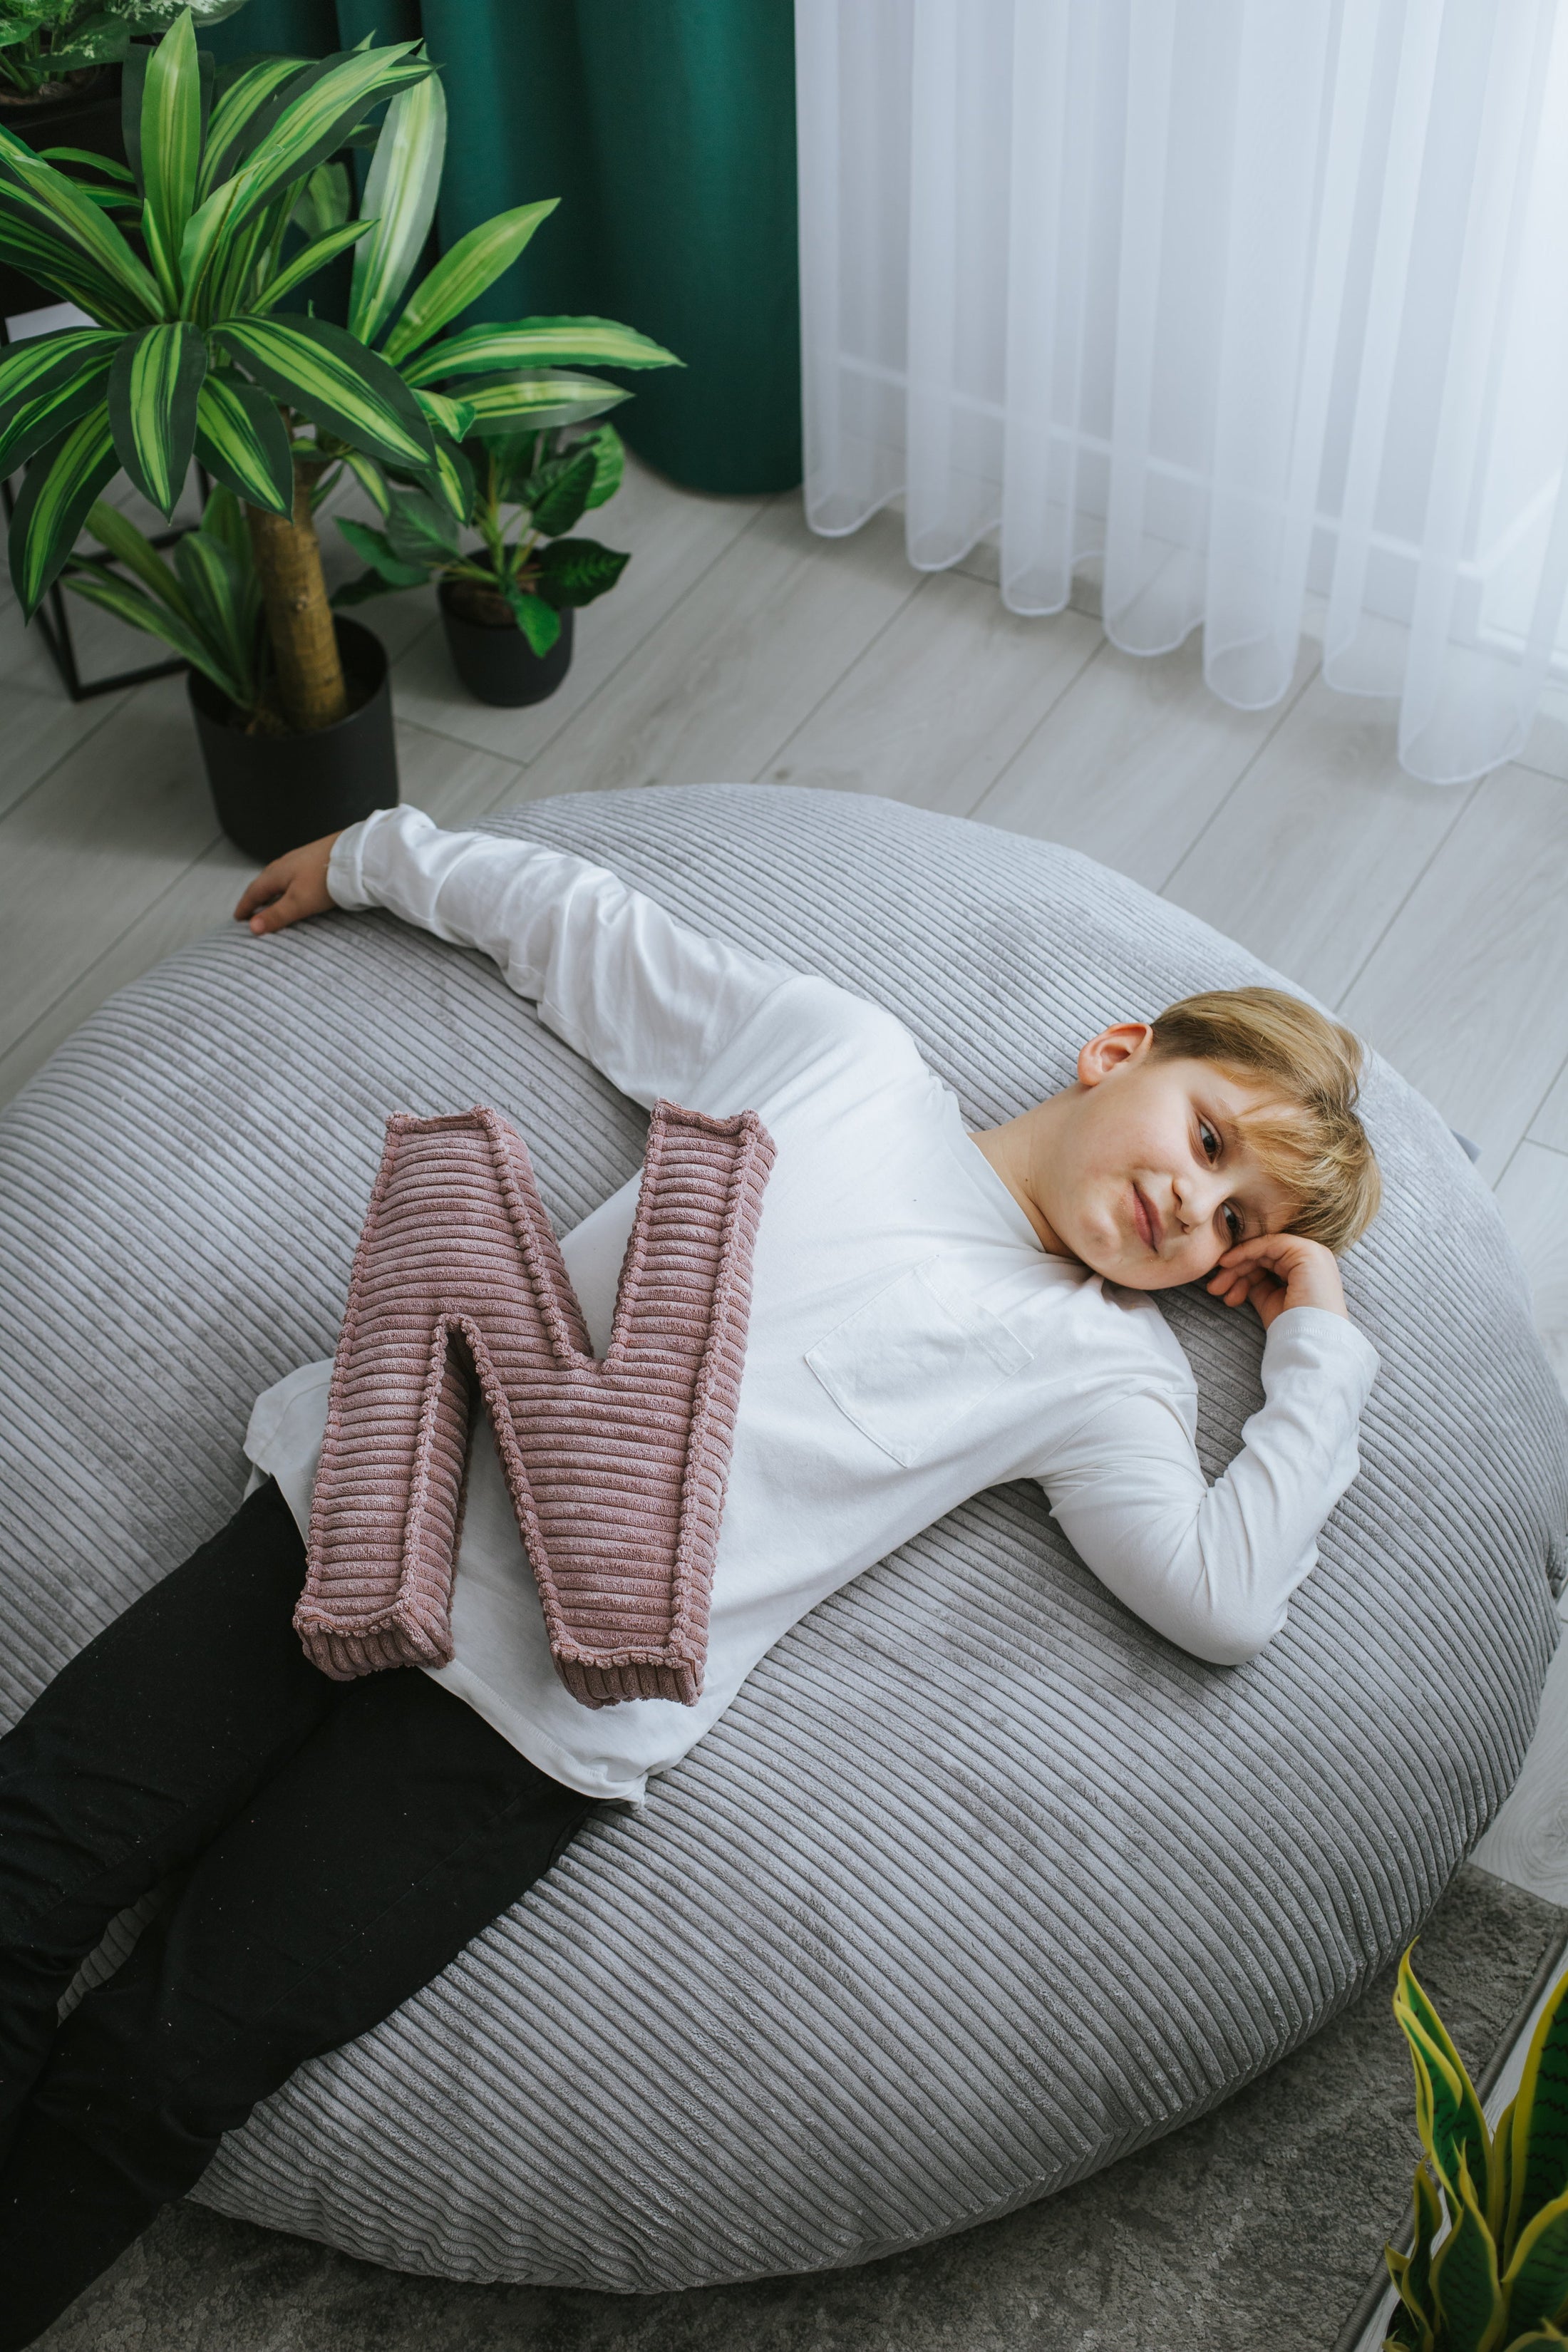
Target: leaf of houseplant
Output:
[(1454, 2121), (336, 381), (119, 534), (377, 548), (460, 277), (243, 442), (419, 531), (304, 265), (540, 622), (364, 585), (536, 343), (610, 451), (454, 416), (60, 238), (560, 501), (128, 603), (575, 571), (216, 587), (1536, 2280), (1465, 2292), (238, 102), (61, 483), (153, 386), (453, 478), (46, 383), (401, 190), (508, 405), (1539, 2126), (171, 147)]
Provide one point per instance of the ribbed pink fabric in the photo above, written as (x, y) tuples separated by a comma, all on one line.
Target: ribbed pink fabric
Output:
[(616, 1468)]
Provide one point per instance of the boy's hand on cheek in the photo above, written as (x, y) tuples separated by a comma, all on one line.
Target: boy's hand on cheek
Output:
[(1276, 1271)]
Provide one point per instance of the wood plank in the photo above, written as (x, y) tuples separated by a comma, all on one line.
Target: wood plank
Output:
[(94, 846), (719, 687), (42, 723), (1135, 759), (1468, 991), (1311, 857), (673, 536), (453, 784), (1533, 1197), (1550, 1123), (940, 702)]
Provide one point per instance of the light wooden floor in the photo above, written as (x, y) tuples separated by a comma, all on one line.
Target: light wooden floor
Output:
[(741, 646)]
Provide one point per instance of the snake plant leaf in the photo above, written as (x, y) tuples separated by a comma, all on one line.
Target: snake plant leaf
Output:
[(45, 383), (575, 571), (1540, 2339), (128, 603), (1410, 2323), (305, 265), (1536, 2280), (1540, 2126), (1467, 2293), (1500, 2188), (61, 483), (153, 386), (217, 588), (536, 343), (540, 622), (508, 405), (377, 551), (171, 147), (243, 442), (460, 277), (454, 416), (345, 389), (1448, 2109), (119, 534), (561, 497), (400, 192), (240, 99), (1428, 2222), (62, 238)]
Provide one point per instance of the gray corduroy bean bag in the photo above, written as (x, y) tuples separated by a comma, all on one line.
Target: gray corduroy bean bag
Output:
[(980, 1882)]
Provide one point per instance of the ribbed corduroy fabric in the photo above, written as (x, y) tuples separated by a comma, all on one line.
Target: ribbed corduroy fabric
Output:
[(616, 1469), (978, 1884)]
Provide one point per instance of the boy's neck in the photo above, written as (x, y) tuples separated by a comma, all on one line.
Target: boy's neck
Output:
[(1016, 1150)]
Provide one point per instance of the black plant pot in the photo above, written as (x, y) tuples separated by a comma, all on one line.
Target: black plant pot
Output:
[(86, 116), (498, 664), (273, 791)]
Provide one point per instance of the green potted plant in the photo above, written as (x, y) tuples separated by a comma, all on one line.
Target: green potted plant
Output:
[(1488, 2268), (506, 604), (193, 352)]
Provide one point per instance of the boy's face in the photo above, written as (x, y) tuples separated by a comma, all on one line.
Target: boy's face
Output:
[(1150, 1179)]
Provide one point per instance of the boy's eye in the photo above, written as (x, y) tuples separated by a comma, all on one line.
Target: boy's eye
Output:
[(1233, 1224), (1208, 1139)]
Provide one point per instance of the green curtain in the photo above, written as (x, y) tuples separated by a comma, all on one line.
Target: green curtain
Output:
[(667, 129)]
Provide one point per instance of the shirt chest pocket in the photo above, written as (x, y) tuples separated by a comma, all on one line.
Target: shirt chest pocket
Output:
[(910, 1363)]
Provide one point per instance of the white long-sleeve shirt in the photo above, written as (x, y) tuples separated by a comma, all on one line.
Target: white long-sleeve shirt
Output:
[(911, 1342)]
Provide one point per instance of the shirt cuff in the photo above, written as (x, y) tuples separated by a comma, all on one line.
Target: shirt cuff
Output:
[(1315, 1338), (345, 867)]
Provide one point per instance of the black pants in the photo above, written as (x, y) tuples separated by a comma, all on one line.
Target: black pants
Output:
[(331, 1847)]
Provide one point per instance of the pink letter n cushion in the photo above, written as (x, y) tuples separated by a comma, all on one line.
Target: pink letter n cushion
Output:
[(616, 1468)]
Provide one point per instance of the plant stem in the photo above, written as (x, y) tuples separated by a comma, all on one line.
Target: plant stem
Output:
[(288, 554)]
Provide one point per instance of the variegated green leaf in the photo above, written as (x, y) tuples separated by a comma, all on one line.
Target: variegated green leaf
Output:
[(216, 587), (540, 622), (575, 571), (119, 534), (1456, 2121), (1540, 2127), (128, 603), (153, 386), (1536, 2280), (1465, 2292), (420, 530), (60, 238), (374, 548), (536, 343), (61, 483), (171, 147), (305, 265), (610, 452), (325, 201), (243, 442), (400, 192), (462, 276), (311, 124), (370, 479), (454, 416), (338, 383), (452, 478), (559, 493), (107, 165), (237, 104), (223, 519), (46, 383), (515, 403)]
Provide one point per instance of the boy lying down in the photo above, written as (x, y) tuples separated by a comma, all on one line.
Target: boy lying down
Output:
[(932, 1312)]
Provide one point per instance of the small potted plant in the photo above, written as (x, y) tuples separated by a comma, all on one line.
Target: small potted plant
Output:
[(193, 352), (1488, 2268), (506, 604)]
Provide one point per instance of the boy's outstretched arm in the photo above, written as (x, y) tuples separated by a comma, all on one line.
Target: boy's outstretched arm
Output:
[(646, 1000)]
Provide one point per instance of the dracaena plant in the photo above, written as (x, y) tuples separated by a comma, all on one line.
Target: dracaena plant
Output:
[(524, 569), (185, 272), (41, 41), (1489, 2270)]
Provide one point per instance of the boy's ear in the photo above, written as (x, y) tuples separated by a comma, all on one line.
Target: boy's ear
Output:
[(1113, 1049)]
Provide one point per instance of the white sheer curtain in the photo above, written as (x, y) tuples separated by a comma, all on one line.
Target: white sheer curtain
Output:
[(1255, 297)]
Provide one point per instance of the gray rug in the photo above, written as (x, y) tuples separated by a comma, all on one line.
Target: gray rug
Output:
[(1253, 2230)]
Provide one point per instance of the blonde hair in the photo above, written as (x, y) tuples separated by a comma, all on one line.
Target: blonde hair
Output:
[(1319, 1150)]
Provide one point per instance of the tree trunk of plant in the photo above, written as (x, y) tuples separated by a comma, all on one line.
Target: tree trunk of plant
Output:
[(311, 690)]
